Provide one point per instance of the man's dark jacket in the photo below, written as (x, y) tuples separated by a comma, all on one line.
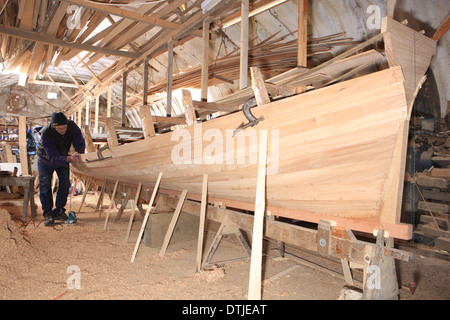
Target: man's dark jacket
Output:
[(54, 148)]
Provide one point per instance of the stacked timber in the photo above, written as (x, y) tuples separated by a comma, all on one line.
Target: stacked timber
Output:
[(434, 198)]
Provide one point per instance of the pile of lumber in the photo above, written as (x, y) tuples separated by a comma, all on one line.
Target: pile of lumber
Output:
[(434, 201), (271, 55)]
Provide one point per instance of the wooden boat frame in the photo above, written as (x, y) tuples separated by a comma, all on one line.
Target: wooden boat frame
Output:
[(399, 86)]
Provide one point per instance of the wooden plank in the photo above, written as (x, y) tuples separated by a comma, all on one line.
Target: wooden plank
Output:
[(134, 15), (441, 173), (111, 201), (23, 145), (169, 78), (124, 98), (147, 122), (172, 224), (89, 142), (243, 73), (111, 135), (189, 108), (302, 60), (393, 188), (432, 182), (259, 87), (130, 222), (254, 287), (201, 227), (144, 223), (35, 36), (205, 60), (434, 207), (442, 29), (409, 49)]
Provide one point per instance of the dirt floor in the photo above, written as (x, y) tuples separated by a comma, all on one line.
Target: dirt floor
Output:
[(84, 262)]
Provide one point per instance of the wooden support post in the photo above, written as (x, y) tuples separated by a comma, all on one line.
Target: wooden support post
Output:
[(302, 60), (130, 223), (244, 44), (390, 8), (80, 111), (23, 145), (172, 224), (144, 223), (145, 86), (254, 288), (97, 106), (100, 199), (259, 87), (201, 227), (124, 99), (189, 107), (169, 78), (87, 113), (205, 61), (108, 102), (111, 204), (147, 122), (123, 205), (111, 135), (88, 185)]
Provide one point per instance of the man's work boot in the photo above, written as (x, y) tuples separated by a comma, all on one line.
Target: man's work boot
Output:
[(48, 220), (58, 214)]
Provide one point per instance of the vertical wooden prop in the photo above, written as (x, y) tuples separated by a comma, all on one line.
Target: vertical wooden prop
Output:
[(144, 223), (254, 287), (201, 227), (130, 223), (110, 204), (172, 224), (23, 145)]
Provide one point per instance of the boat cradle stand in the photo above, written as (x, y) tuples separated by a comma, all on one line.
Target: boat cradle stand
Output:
[(377, 260)]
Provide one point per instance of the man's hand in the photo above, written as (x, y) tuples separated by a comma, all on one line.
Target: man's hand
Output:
[(75, 157)]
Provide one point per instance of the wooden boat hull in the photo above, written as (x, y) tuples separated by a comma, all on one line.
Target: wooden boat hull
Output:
[(335, 153)]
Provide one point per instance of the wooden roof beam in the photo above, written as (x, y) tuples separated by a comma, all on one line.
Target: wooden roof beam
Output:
[(34, 36), (128, 14)]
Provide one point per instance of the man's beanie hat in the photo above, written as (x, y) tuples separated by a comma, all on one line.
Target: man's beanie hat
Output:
[(59, 119)]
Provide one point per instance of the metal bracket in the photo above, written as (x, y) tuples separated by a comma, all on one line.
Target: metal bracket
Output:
[(252, 121), (100, 155)]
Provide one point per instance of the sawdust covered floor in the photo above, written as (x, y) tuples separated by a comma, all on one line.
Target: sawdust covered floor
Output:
[(37, 261)]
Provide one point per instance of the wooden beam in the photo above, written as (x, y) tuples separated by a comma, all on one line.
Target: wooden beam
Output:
[(169, 78), (147, 214), (442, 29), (147, 122), (111, 135), (259, 87), (302, 60), (89, 142), (134, 15), (244, 44), (124, 99), (23, 145), (254, 287), (189, 108), (172, 224), (205, 60), (34, 36), (201, 227)]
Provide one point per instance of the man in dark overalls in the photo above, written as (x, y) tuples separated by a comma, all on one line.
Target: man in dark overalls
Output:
[(53, 155)]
